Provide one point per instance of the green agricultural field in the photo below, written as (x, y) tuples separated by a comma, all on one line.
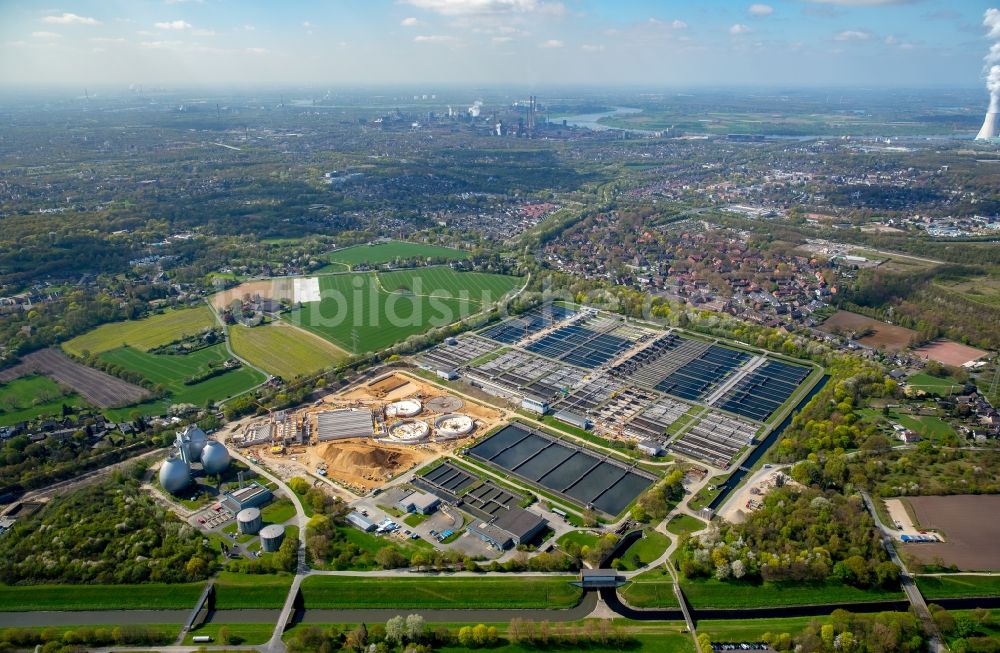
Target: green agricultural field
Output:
[(719, 594), (957, 586), (380, 315), (283, 350), (343, 592), (478, 287), (151, 596), (387, 252), (143, 334), (33, 396), (644, 551), (251, 591), (170, 371)]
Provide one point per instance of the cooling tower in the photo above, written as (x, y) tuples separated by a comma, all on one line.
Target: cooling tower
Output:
[(991, 127)]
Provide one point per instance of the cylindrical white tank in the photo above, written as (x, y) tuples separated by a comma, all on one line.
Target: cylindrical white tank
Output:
[(175, 475), (454, 425), (271, 537), (409, 431), (404, 408), (249, 521), (214, 458)]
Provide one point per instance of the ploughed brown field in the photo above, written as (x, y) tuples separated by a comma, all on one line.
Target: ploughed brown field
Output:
[(969, 526), (96, 387), (951, 353), (884, 336)]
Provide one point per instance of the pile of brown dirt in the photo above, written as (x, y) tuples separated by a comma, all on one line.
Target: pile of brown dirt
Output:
[(355, 460)]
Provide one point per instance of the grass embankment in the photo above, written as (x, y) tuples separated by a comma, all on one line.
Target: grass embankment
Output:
[(251, 591), (344, 592), (750, 630), (947, 587), (152, 596), (284, 350), (279, 511), (238, 634), (144, 334), (718, 594), (580, 538)]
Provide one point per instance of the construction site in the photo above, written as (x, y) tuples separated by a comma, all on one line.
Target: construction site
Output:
[(369, 434)]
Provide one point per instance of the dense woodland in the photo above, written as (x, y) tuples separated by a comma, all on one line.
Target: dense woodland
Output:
[(797, 535), (112, 532)]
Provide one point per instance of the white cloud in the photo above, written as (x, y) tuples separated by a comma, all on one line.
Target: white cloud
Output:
[(853, 35), (434, 38), (991, 19), (551, 44), (108, 39), (409, 21), (70, 19), (739, 28), (891, 40), (306, 24), (248, 28), (760, 10), (45, 35), (678, 24), (500, 40), (173, 24), (674, 24), (203, 32), (257, 50), (586, 47), (161, 45), (480, 7)]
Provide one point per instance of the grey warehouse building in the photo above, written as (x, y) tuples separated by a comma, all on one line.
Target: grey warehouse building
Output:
[(510, 527)]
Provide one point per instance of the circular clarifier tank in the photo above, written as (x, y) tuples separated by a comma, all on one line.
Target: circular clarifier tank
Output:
[(409, 431), (404, 408), (453, 425)]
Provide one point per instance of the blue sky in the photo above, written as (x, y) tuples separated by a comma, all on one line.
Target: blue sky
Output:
[(487, 42)]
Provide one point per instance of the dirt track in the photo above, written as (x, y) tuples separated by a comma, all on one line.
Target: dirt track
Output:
[(98, 388)]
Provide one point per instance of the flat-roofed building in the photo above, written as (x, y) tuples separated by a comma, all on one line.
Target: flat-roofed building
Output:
[(253, 495), (509, 528)]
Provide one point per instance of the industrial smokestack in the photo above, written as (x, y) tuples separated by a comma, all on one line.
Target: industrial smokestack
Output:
[(991, 125)]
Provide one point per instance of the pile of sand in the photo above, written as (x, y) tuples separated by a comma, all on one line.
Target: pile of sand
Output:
[(358, 462)]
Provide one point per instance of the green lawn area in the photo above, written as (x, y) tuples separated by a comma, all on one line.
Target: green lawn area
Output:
[(706, 494), (381, 316), (581, 538), (144, 334), (650, 593), (239, 634), (414, 593), (387, 252), (278, 511), (926, 426), (934, 385), (941, 587), (644, 550), (718, 594), (250, 591), (679, 524), (155, 596), (33, 396), (170, 371), (414, 518), (284, 350)]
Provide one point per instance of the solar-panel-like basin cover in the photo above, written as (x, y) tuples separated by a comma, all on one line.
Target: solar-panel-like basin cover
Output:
[(577, 473)]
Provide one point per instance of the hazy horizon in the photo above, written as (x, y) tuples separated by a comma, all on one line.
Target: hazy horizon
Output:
[(489, 43)]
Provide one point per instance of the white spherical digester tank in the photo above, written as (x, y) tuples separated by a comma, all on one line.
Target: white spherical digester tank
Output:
[(175, 475), (215, 458)]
